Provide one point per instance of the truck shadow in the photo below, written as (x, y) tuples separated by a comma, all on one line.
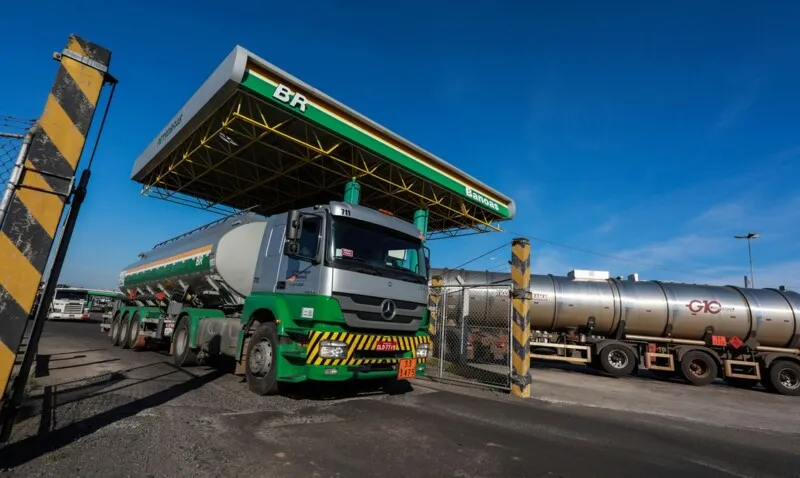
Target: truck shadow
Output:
[(323, 392), (639, 375), (47, 403)]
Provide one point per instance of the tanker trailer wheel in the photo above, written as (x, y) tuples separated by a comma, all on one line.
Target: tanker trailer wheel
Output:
[(698, 368), (125, 334), (116, 330), (617, 360), (784, 378), (183, 355), (261, 360)]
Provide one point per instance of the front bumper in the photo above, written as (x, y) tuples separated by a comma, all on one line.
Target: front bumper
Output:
[(365, 356), (338, 373), (63, 316)]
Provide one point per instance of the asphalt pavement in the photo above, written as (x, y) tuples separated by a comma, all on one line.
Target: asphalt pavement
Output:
[(101, 411)]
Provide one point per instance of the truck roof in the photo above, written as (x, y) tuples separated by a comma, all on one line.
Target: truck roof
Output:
[(255, 137)]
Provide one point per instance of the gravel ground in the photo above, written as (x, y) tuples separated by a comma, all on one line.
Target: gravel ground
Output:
[(102, 411)]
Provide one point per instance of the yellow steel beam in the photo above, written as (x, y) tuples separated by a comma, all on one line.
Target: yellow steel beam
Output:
[(248, 118)]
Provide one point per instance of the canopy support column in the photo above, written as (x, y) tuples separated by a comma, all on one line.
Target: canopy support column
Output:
[(352, 192), (421, 221)]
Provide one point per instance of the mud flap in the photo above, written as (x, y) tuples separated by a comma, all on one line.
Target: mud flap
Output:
[(141, 342)]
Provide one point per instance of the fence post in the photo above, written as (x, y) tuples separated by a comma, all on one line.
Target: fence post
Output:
[(520, 326)]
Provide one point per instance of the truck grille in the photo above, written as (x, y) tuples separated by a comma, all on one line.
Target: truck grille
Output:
[(73, 308), (364, 312)]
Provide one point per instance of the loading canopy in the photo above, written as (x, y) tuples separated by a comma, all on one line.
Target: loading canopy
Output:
[(254, 137)]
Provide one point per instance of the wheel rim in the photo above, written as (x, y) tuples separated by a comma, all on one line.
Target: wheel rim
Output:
[(698, 368), (789, 379), (260, 358), (180, 341), (618, 359)]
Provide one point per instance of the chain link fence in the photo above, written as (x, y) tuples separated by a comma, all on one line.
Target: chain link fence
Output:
[(13, 132), (472, 335)]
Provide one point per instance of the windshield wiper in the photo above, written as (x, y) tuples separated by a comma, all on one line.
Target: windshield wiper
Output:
[(409, 272), (364, 262)]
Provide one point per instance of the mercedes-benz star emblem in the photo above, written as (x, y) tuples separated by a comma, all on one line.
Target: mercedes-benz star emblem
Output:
[(388, 309)]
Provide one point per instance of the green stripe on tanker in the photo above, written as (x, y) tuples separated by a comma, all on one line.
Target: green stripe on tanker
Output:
[(174, 270)]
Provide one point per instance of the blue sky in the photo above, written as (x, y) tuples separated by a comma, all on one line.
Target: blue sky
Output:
[(646, 133)]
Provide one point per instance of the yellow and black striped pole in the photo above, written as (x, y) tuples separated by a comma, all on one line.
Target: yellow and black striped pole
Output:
[(434, 297), (520, 325), (33, 214)]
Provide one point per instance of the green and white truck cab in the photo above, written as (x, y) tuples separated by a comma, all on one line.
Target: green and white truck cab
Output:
[(329, 293)]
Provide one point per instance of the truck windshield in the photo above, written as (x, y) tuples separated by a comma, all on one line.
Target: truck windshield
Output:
[(373, 249), (70, 295)]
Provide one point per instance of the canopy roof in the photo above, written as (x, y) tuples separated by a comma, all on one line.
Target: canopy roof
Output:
[(254, 137)]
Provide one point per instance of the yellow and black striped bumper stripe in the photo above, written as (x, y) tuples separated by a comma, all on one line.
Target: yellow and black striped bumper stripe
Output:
[(520, 328), (33, 214), (359, 342)]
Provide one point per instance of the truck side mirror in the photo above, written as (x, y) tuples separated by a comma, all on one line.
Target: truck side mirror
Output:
[(293, 233), (427, 260), (293, 226)]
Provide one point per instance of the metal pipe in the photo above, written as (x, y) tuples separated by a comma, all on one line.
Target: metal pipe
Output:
[(16, 172), (779, 350), (665, 340)]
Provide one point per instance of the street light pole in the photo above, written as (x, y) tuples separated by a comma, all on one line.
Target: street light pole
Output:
[(749, 236)]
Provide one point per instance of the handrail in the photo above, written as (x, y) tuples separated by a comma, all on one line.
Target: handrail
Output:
[(204, 226)]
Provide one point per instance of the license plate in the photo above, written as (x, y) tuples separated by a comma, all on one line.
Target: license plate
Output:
[(407, 368), (386, 346)]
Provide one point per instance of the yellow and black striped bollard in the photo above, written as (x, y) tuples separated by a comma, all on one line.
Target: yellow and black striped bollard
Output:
[(520, 325)]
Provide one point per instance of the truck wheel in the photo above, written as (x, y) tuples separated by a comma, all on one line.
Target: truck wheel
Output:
[(784, 377), (183, 355), (698, 368), (617, 360), (261, 360), (125, 334), (116, 331)]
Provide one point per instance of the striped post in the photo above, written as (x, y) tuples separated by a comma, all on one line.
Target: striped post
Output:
[(521, 326), (34, 211), (434, 297)]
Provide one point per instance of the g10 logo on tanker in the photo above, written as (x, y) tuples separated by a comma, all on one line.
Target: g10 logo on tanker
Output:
[(713, 307)]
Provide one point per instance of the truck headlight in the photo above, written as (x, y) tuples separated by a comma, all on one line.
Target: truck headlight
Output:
[(422, 350), (332, 349)]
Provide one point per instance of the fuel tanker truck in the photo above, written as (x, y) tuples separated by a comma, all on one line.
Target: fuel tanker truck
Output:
[(327, 293), (695, 332)]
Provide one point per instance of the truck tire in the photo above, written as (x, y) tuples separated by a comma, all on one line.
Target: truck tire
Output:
[(116, 331), (617, 360), (260, 369), (183, 355), (125, 334), (698, 368), (133, 331), (784, 378)]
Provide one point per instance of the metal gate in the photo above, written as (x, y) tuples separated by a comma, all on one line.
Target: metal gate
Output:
[(472, 335)]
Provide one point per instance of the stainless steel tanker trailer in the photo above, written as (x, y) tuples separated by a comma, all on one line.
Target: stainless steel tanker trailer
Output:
[(696, 332), (328, 293)]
